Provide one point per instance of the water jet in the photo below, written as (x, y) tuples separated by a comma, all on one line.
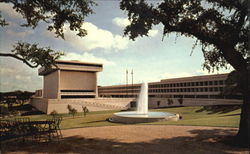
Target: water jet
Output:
[(141, 115)]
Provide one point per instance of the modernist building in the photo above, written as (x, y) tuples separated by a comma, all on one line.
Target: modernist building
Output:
[(196, 90), (73, 83), (70, 79)]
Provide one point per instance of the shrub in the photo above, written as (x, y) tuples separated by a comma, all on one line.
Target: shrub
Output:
[(16, 113), (72, 110), (4, 111), (53, 113), (170, 101), (180, 100), (85, 110)]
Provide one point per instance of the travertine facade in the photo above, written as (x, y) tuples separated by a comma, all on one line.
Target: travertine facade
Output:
[(196, 90), (75, 83), (70, 80)]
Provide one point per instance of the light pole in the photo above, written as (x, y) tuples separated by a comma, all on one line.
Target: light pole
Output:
[(127, 82), (132, 73)]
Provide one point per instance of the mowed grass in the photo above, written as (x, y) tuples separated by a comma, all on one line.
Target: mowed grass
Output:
[(191, 116), (196, 116)]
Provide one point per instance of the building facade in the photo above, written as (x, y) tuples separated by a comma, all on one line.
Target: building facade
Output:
[(196, 90), (70, 79), (73, 83)]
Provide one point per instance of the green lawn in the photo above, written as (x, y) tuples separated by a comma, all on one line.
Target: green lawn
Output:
[(194, 116)]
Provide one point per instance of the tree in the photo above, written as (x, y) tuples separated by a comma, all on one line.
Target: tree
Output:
[(85, 110), (56, 13), (220, 27), (72, 110)]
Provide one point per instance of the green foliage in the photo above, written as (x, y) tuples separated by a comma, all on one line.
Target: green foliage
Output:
[(56, 13), (35, 55), (2, 21), (4, 111), (170, 101), (54, 113), (72, 110), (221, 27), (180, 100), (15, 97), (85, 110), (196, 116)]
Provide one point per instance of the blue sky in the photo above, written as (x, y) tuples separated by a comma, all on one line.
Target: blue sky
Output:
[(151, 58)]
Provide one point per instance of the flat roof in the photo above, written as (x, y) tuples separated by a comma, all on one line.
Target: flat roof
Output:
[(72, 66), (76, 62), (180, 79)]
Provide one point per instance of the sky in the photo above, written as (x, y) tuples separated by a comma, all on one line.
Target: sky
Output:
[(150, 58)]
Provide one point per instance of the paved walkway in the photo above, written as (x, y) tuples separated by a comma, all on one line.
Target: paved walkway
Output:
[(144, 139)]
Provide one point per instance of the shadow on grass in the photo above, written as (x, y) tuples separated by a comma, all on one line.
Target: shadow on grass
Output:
[(26, 110), (219, 109), (95, 121), (24, 107), (200, 141), (231, 115)]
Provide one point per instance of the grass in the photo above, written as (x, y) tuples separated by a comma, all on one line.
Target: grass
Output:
[(195, 116), (192, 116)]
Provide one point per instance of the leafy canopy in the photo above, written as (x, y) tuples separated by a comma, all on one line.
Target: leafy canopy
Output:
[(56, 13), (221, 27)]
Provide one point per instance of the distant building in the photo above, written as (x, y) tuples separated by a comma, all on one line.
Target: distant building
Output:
[(195, 90), (70, 79), (75, 83)]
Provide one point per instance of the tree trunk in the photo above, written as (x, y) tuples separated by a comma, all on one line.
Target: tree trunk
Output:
[(244, 129), (243, 133)]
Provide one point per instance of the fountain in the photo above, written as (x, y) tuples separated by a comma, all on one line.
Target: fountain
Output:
[(141, 115)]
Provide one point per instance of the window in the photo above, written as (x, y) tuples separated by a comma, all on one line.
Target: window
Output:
[(206, 83), (210, 82), (221, 89), (215, 82), (216, 89), (221, 82), (201, 83)]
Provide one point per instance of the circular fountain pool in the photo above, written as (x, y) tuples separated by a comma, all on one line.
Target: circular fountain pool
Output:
[(134, 117)]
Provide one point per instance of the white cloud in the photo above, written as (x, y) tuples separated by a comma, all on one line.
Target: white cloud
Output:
[(7, 9), (6, 70), (17, 76), (96, 38), (168, 75), (86, 57), (19, 34), (205, 72), (152, 33), (121, 22)]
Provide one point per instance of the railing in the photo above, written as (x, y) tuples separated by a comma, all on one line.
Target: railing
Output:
[(25, 128)]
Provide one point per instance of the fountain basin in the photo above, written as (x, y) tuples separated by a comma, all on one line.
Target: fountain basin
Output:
[(133, 117)]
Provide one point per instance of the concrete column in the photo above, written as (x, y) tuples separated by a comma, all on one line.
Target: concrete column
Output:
[(59, 87), (96, 88)]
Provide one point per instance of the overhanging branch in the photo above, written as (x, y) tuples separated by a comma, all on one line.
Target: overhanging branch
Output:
[(19, 58)]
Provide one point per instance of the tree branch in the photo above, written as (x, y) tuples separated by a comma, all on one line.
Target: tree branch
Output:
[(19, 58)]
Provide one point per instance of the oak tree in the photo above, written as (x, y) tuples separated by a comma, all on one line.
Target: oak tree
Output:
[(220, 27), (55, 13)]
